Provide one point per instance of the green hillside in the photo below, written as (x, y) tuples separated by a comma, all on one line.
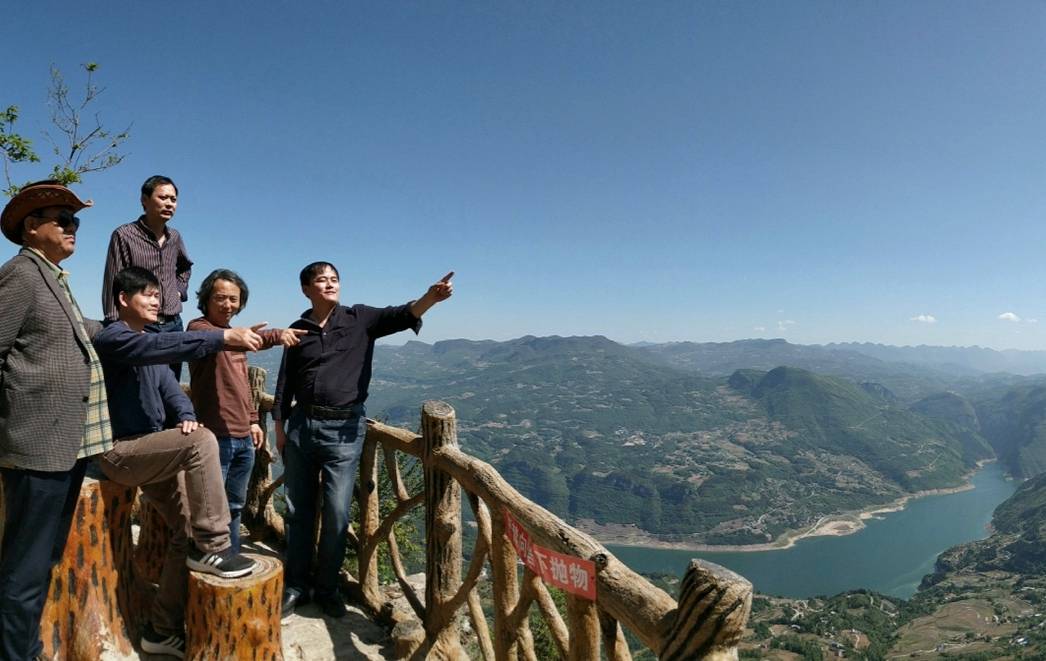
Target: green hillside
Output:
[(909, 449), (613, 437), (1014, 420)]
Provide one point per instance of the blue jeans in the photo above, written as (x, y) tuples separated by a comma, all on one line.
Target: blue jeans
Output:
[(237, 458), (321, 457)]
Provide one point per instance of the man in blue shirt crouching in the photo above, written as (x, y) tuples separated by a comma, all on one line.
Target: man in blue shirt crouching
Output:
[(177, 469)]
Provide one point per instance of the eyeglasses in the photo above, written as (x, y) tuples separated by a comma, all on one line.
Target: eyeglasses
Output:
[(64, 219)]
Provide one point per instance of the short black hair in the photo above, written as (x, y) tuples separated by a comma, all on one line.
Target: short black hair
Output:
[(313, 270), (155, 181), (132, 280), (207, 288)]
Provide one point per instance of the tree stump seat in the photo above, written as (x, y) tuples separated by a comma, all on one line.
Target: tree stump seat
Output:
[(90, 608), (235, 618), (102, 588)]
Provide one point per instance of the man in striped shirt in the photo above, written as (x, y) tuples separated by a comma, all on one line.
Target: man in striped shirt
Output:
[(150, 244)]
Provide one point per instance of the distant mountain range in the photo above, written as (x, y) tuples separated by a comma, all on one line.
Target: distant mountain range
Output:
[(978, 359), (658, 438), (725, 357), (721, 443)]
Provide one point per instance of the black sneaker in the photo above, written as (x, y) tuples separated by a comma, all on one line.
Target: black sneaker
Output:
[(331, 604), (158, 643), (226, 564)]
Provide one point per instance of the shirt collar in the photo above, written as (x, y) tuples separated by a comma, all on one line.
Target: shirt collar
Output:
[(58, 270), (148, 230), (331, 320)]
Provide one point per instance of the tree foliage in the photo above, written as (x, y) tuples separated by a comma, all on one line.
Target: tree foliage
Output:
[(79, 142)]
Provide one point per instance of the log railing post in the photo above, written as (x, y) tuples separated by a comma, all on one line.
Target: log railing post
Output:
[(506, 590), (369, 522), (706, 623), (614, 645), (583, 617), (714, 604), (442, 533)]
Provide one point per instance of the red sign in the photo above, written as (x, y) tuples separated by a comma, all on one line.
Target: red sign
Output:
[(575, 575)]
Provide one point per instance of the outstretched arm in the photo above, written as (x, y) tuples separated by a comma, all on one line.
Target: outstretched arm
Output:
[(436, 293), (121, 344), (393, 319), (285, 337)]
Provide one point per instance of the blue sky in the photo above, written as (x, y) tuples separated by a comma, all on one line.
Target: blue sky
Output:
[(818, 171)]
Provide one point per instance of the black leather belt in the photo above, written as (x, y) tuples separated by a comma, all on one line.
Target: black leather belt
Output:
[(333, 412)]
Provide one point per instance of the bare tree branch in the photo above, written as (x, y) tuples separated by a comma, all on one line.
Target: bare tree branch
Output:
[(75, 153)]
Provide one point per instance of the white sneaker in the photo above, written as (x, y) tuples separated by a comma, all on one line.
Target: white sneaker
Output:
[(224, 563), (158, 643)]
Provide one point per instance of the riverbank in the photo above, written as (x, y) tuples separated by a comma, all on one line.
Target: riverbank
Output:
[(833, 525)]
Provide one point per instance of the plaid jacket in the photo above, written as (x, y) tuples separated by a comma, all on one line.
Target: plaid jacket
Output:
[(44, 368)]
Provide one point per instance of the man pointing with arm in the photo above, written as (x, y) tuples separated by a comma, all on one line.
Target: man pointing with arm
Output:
[(320, 423)]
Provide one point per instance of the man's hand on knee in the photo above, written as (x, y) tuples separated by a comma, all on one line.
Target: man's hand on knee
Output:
[(189, 426)]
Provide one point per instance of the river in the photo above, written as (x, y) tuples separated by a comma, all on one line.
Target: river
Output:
[(890, 555)]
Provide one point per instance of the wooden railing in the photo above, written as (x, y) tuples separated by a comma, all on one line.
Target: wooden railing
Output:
[(706, 623)]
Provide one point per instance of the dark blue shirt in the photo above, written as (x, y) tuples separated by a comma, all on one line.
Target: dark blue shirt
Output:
[(143, 392), (332, 365)]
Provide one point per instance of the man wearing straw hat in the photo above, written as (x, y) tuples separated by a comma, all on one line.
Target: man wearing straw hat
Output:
[(53, 408)]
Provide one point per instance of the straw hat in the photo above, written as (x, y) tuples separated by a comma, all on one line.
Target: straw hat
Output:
[(34, 196)]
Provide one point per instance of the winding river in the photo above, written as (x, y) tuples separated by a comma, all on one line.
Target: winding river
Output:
[(890, 555)]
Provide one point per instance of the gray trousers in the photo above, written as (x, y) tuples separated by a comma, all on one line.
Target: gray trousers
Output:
[(181, 475)]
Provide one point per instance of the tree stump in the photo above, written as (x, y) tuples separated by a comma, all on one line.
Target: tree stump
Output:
[(235, 618), (89, 608)]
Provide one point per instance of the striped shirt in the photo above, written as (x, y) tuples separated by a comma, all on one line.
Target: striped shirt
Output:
[(98, 433), (134, 244)]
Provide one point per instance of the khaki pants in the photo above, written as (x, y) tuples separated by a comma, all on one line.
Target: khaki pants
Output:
[(181, 475)]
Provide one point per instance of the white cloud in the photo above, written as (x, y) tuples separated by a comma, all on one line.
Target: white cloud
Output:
[(924, 319), (1031, 321), (759, 329), (1009, 316), (783, 325)]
